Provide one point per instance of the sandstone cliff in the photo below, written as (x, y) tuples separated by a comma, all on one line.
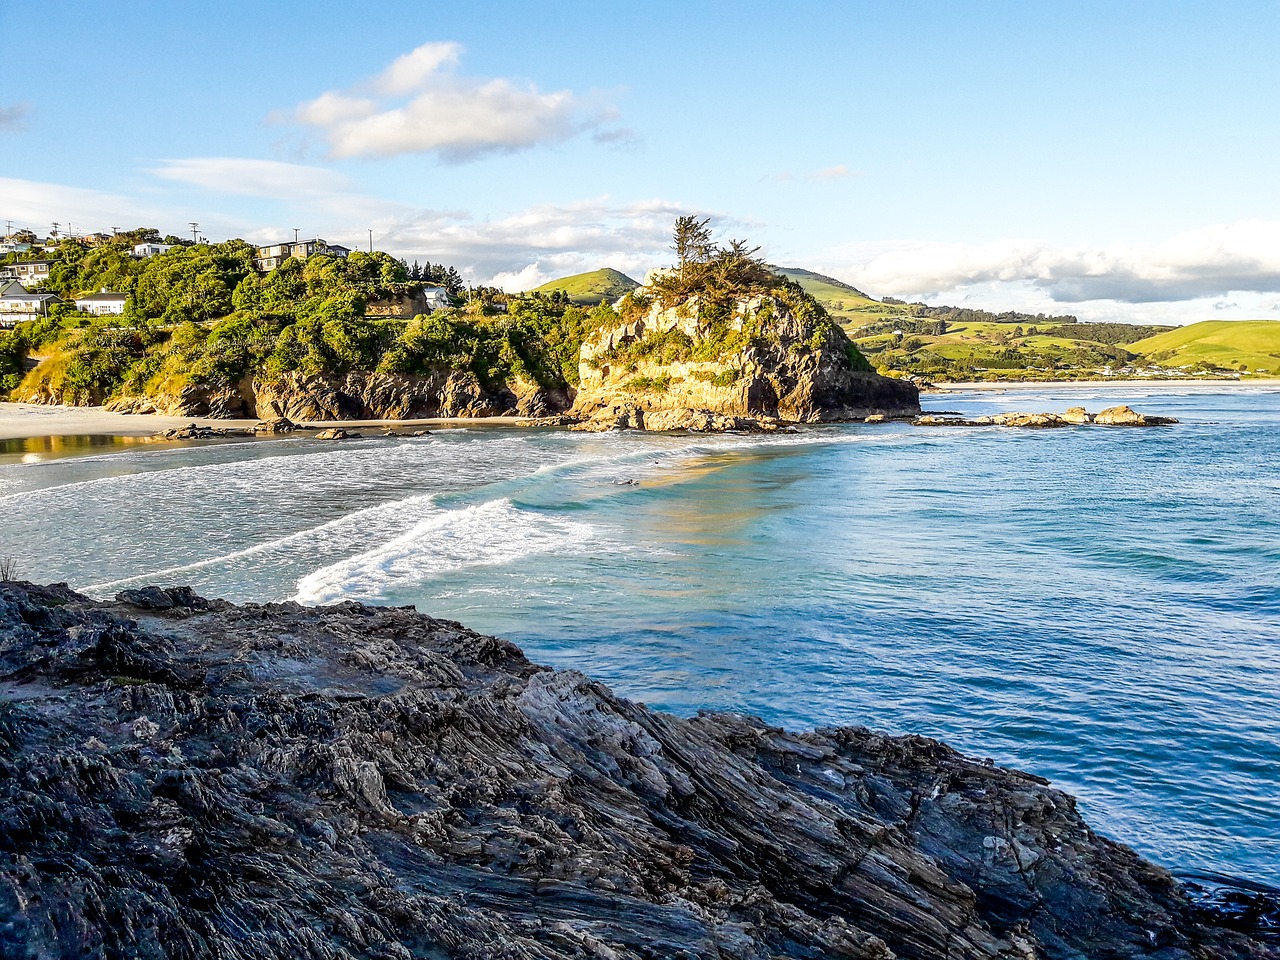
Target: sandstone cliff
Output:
[(187, 778), (775, 355), (359, 395)]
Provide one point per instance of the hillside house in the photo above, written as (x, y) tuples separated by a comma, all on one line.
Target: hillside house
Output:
[(144, 250), (270, 257), (17, 304), (27, 272), (102, 304)]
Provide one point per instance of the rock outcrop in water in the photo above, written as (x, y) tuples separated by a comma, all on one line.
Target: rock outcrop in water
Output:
[(189, 778), (1121, 416), (761, 357)]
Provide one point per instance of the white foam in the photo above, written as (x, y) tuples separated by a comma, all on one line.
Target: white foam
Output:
[(491, 533)]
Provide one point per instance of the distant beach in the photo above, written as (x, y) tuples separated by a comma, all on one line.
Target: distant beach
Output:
[(24, 420)]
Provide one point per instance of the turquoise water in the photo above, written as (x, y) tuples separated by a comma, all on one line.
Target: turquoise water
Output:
[(1098, 606)]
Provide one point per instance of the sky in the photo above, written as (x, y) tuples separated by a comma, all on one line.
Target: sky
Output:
[(1116, 161)]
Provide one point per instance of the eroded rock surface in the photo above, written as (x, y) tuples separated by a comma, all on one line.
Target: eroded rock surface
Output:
[(188, 778)]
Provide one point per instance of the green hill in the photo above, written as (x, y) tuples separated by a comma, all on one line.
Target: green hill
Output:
[(588, 289), (1226, 344), (849, 305)]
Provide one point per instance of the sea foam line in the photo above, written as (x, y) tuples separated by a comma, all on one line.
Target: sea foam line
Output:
[(492, 533)]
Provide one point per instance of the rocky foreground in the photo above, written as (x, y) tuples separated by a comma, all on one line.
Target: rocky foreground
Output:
[(189, 778)]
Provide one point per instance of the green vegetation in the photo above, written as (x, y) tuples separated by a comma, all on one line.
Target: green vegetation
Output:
[(1217, 344), (589, 289)]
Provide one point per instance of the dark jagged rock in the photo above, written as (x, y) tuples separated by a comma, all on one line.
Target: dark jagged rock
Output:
[(188, 778)]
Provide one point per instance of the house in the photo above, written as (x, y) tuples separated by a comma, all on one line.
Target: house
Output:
[(436, 297), (13, 246), (270, 257), (103, 303), (95, 239), (408, 306), (144, 250), (27, 272), (18, 305)]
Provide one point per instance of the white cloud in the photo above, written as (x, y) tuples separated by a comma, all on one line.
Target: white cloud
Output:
[(14, 117), (34, 205), (825, 175), (255, 178), (540, 243), (1212, 261), (419, 105)]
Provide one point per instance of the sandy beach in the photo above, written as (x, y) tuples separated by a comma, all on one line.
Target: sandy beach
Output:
[(25, 420)]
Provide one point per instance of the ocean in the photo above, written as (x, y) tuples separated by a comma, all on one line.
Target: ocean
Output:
[(1097, 606)]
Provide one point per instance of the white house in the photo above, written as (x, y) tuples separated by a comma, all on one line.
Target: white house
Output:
[(437, 297), (14, 246), (103, 303), (143, 250), (17, 304)]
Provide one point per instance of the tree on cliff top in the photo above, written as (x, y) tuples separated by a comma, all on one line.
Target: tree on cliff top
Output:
[(709, 269)]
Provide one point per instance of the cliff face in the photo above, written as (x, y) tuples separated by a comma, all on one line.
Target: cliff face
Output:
[(188, 778), (761, 357), (360, 395)]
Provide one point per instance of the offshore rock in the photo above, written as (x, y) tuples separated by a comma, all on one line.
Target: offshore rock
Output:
[(1126, 416), (187, 778), (763, 357)]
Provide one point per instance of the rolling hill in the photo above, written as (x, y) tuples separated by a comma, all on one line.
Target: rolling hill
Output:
[(846, 303), (588, 289), (1231, 344)]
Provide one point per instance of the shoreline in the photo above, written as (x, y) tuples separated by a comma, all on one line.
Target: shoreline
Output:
[(998, 386), (25, 421), (28, 421)]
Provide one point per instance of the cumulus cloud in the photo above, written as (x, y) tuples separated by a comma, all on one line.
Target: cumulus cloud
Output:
[(255, 178), (527, 248), (419, 104), (1211, 261), (14, 117)]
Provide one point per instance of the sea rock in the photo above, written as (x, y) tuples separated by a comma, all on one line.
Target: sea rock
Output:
[(1126, 416), (1077, 415), (188, 778), (761, 357), (1037, 420), (874, 418), (337, 433), (615, 416), (195, 431), (705, 421), (275, 426)]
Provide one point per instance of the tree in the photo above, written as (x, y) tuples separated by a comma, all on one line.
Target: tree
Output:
[(692, 244)]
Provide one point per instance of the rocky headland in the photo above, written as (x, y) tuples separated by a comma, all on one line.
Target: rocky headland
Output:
[(189, 778), (737, 364)]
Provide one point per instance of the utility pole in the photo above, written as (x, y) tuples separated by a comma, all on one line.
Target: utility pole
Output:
[(115, 231), (194, 228), (371, 240), (8, 228), (56, 225), (295, 234)]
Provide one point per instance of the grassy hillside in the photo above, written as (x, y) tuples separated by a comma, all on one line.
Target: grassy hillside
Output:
[(1231, 344), (588, 289), (849, 305)]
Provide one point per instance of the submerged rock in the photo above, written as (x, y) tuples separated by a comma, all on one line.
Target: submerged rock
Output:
[(187, 778)]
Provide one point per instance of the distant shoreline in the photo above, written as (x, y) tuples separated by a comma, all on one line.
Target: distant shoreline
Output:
[(21, 421), (1000, 386)]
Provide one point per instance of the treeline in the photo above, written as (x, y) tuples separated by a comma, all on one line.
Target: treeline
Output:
[(970, 315), (1113, 333)]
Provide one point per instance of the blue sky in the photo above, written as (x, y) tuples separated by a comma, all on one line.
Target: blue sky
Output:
[(1115, 160)]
